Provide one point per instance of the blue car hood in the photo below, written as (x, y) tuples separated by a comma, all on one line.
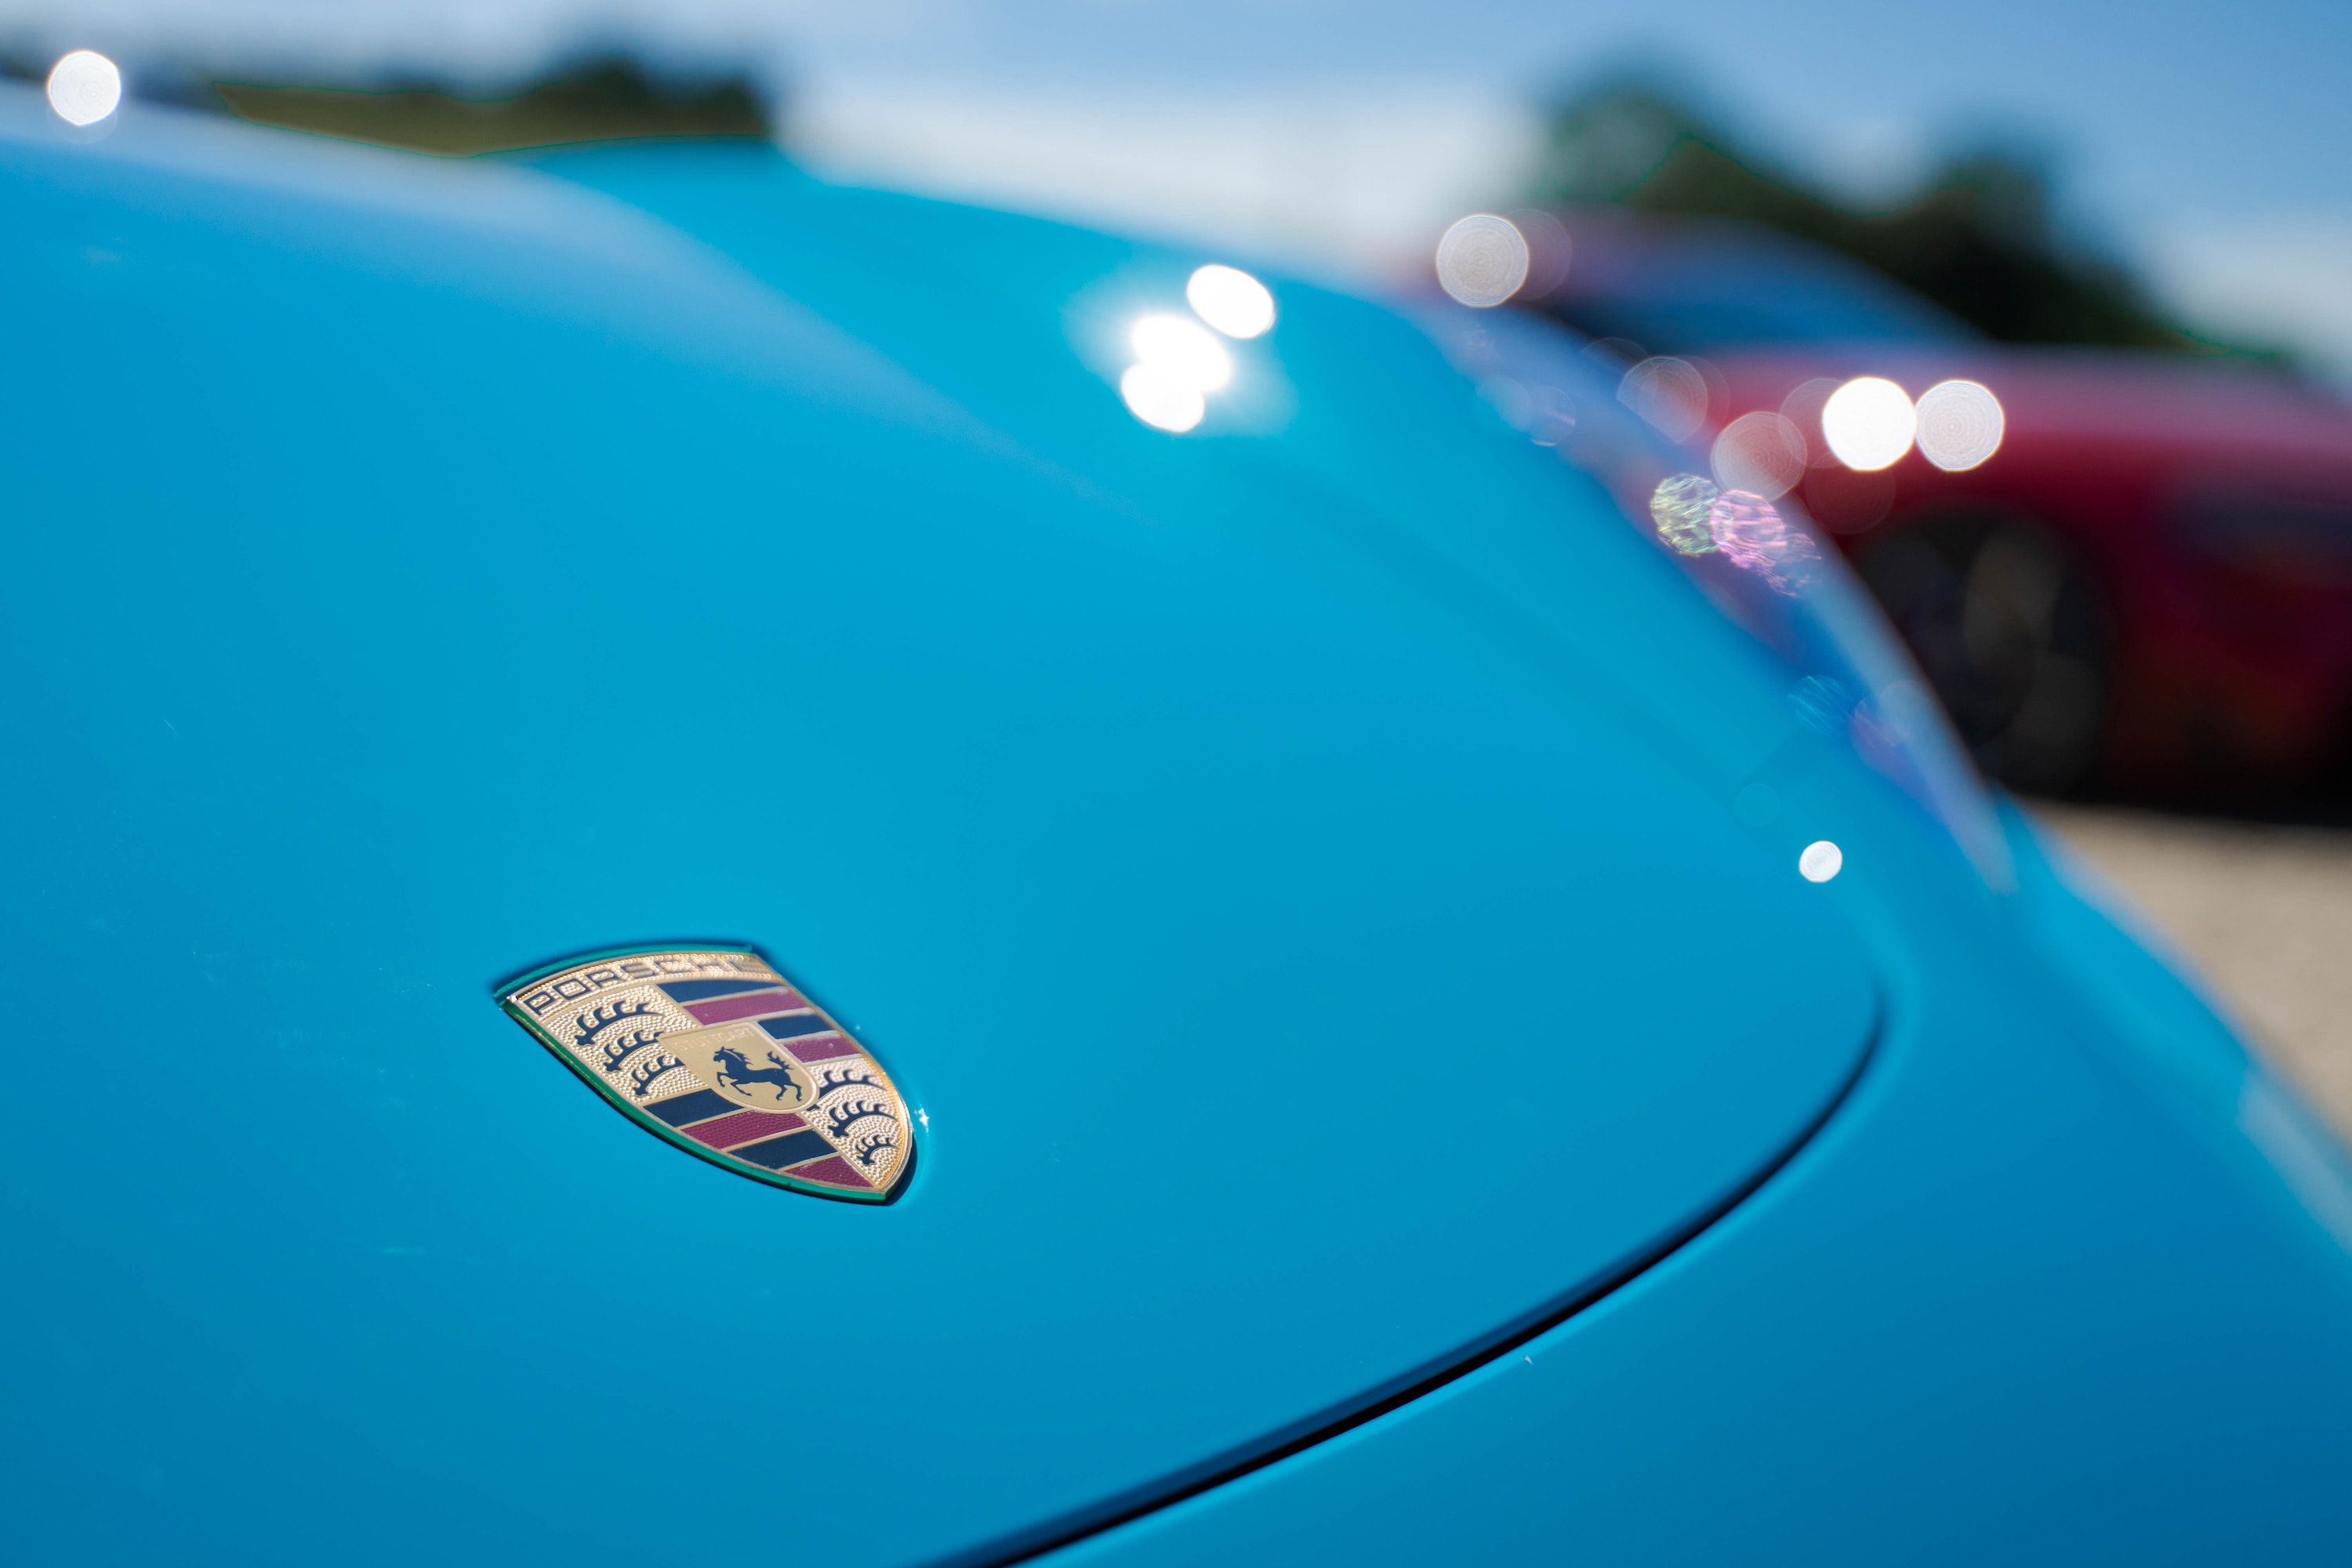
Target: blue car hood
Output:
[(1286, 865)]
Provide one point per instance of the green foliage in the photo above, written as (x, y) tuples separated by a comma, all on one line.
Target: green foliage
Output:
[(1976, 236), (603, 98)]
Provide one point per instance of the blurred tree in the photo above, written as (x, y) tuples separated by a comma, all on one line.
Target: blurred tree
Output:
[(1976, 236), (599, 98)]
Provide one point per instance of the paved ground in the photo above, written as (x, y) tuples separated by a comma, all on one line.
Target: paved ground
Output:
[(2264, 912)]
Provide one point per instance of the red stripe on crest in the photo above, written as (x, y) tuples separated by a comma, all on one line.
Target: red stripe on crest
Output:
[(751, 1004), (832, 1172), (743, 1127), (820, 1047)]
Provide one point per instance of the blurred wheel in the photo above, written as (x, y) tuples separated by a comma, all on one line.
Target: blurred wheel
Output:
[(2007, 623)]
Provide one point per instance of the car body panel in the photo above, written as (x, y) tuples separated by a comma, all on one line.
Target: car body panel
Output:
[(446, 570), (1328, 886), (2065, 1282)]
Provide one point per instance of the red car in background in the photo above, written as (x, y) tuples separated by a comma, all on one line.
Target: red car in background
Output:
[(2124, 572)]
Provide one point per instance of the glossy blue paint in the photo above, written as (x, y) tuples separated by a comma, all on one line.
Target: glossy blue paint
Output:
[(1294, 867), (2065, 1282), (446, 569)]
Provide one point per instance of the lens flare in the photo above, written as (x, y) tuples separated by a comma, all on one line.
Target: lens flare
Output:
[(1869, 423), (1482, 259), (1820, 861), (1182, 352), (1231, 300), (1161, 401), (85, 88), (1960, 424)]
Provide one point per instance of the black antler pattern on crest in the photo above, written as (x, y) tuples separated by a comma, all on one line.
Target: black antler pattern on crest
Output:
[(610, 1017), (621, 1050), (844, 1078), (643, 1076), (849, 1113)]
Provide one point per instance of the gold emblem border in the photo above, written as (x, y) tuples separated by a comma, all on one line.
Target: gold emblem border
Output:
[(505, 993)]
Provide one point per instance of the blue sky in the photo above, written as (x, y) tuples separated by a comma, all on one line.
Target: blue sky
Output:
[(2218, 105), (2212, 144)]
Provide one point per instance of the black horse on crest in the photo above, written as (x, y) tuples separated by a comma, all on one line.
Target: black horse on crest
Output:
[(736, 1071)]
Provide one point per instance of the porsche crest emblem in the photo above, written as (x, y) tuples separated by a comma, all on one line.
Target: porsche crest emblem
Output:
[(715, 1051)]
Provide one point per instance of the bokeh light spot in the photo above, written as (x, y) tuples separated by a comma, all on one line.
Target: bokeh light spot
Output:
[(1549, 250), (1761, 453), (1755, 537), (1670, 394), (85, 88), (1482, 259), (1182, 352), (1869, 423), (1231, 300), (1161, 401), (1820, 860), (1960, 424), (1803, 407), (1679, 507)]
